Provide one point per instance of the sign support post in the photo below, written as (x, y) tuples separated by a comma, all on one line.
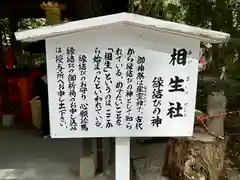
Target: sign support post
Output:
[(122, 156)]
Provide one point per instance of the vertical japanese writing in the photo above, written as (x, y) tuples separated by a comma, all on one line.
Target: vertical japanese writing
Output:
[(109, 91), (185, 109), (129, 91), (108, 81), (186, 87), (186, 92), (97, 59), (119, 87), (157, 94), (83, 113), (72, 87), (141, 91), (61, 89), (176, 83)]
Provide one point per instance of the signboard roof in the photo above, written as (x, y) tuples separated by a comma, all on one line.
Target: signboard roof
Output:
[(125, 19)]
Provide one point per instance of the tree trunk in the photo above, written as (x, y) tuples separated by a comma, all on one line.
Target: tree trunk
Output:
[(86, 9), (16, 45), (216, 54), (4, 70), (3, 81), (82, 10), (195, 158)]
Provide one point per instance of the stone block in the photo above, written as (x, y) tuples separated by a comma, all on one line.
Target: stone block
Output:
[(87, 167), (8, 120)]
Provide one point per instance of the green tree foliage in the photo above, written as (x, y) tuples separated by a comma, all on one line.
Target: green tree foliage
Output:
[(5, 32), (220, 15), (162, 9), (30, 23), (23, 24)]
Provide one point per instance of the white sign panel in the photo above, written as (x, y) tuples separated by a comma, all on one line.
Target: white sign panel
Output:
[(121, 92)]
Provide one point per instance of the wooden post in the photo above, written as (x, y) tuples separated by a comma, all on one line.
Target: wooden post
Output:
[(216, 104)]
